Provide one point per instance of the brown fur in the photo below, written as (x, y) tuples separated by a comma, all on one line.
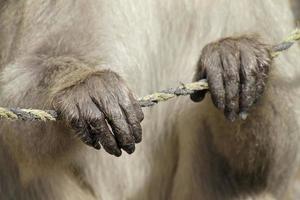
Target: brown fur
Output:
[(86, 58)]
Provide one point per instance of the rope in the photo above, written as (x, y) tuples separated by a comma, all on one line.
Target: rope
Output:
[(147, 101)]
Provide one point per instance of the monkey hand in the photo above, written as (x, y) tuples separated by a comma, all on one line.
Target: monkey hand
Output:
[(236, 70), (102, 111)]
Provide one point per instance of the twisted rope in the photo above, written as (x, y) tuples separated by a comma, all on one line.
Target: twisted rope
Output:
[(147, 101)]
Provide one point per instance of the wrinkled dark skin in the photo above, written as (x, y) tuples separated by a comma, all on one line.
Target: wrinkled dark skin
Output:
[(237, 71), (103, 101)]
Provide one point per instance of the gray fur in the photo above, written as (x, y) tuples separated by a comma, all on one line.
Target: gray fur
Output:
[(189, 151)]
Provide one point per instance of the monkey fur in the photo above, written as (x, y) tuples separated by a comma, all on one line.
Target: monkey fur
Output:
[(91, 59)]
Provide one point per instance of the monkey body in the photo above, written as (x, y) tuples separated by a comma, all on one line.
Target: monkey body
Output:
[(189, 151)]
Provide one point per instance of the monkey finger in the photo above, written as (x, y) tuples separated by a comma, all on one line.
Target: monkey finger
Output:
[(198, 96), (89, 140), (133, 121), (261, 83), (122, 131), (215, 79), (264, 59), (231, 65), (262, 77), (118, 123), (138, 110), (84, 134), (100, 128), (248, 80), (81, 129)]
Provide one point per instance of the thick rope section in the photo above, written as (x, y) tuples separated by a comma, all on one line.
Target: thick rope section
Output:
[(28, 114), (147, 101)]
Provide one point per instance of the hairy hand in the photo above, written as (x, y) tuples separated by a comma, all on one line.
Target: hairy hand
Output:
[(236, 70), (103, 111)]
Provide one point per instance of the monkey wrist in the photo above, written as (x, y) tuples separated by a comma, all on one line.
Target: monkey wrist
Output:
[(62, 73)]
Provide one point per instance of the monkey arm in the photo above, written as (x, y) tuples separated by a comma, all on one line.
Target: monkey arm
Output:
[(52, 62), (258, 136), (261, 149), (89, 99), (236, 70)]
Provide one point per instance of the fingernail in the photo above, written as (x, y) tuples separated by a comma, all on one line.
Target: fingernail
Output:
[(97, 146), (243, 115), (129, 148), (118, 153)]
